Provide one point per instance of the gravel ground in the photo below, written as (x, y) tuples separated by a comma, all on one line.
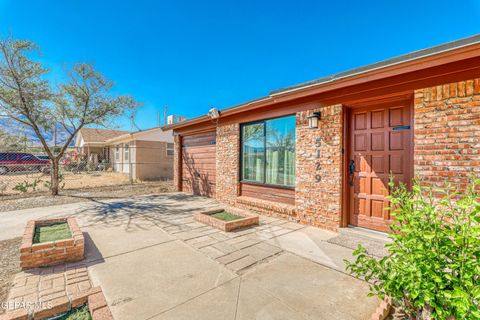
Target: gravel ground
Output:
[(33, 200), (9, 266)]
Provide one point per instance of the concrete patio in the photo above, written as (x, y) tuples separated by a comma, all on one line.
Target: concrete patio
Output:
[(153, 261)]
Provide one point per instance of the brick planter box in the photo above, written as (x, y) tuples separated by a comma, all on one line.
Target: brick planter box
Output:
[(247, 221), (383, 310), (94, 298), (53, 252)]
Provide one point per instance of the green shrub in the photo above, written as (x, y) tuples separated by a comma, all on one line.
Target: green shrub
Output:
[(26, 185), (433, 262)]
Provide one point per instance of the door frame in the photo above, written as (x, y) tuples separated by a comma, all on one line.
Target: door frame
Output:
[(408, 99)]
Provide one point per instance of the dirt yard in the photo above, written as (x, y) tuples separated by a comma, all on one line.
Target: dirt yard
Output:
[(35, 181), (9, 266), (41, 199)]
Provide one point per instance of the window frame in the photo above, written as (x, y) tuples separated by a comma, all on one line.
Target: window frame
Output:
[(172, 149), (117, 153), (126, 152), (252, 182)]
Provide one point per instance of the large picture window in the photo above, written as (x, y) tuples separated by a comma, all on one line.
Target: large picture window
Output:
[(268, 151)]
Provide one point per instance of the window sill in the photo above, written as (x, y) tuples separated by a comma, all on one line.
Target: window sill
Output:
[(266, 185), (282, 208)]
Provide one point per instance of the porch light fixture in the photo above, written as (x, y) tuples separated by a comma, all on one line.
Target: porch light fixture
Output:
[(313, 120)]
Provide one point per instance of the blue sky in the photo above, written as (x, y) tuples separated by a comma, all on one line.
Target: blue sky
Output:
[(194, 55)]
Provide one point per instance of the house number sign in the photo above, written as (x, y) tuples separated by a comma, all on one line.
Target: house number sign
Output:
[(318, 168)]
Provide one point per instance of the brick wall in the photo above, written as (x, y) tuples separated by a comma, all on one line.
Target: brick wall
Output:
[(318, 203), (177, 182), (227, 163), (447, 133)]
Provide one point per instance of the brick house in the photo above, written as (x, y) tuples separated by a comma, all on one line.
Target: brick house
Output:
[(92, 142), (143, 155), (320, 153)]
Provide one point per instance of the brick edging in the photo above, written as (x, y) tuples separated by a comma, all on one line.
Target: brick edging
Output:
[(383, 309), (53, 252), (97, 305), (227, 226)]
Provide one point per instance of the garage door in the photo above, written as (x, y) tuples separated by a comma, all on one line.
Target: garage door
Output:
[(198, 164)]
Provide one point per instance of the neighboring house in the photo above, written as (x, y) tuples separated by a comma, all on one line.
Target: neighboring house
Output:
[(320, 153), (174, 118), (92, 143), (144, 155)]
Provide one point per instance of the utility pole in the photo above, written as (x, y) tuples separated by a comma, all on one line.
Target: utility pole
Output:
[(55, 137), (165, 110)]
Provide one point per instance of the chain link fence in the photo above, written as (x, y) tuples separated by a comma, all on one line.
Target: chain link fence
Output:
[(27, 169)]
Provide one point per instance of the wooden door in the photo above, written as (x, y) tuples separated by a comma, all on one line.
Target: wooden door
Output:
[(198, 164), (380, 145)]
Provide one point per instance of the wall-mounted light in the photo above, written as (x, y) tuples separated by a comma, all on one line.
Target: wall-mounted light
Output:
[(213, 113), (313, 120)]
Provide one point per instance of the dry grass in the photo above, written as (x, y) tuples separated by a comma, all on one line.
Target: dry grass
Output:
[(41, 199), (70, 181)]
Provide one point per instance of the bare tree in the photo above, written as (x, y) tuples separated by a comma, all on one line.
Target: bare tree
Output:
[(27, 97)]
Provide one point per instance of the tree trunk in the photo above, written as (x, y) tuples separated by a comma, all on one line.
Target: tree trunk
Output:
[(55, 177)]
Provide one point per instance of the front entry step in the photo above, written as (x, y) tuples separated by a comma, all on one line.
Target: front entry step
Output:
[(366, 233), (371, 240)]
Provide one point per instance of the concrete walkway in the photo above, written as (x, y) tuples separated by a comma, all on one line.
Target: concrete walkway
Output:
[(153, 261)]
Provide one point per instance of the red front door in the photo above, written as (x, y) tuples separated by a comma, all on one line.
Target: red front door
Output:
[(380, 145)]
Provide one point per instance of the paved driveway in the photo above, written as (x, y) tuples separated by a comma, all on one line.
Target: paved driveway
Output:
[(154, 261)]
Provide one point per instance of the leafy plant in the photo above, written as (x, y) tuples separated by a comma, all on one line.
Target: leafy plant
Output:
[(432, 269), (26, 185)]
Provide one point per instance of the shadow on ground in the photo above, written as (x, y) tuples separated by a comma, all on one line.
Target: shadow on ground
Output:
[(143, 212)]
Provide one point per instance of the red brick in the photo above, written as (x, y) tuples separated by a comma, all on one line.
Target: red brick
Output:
[(102, 314), (64, 243), (80, 298), (25, 248), (452, 135), (96, 301), (42, 246)]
